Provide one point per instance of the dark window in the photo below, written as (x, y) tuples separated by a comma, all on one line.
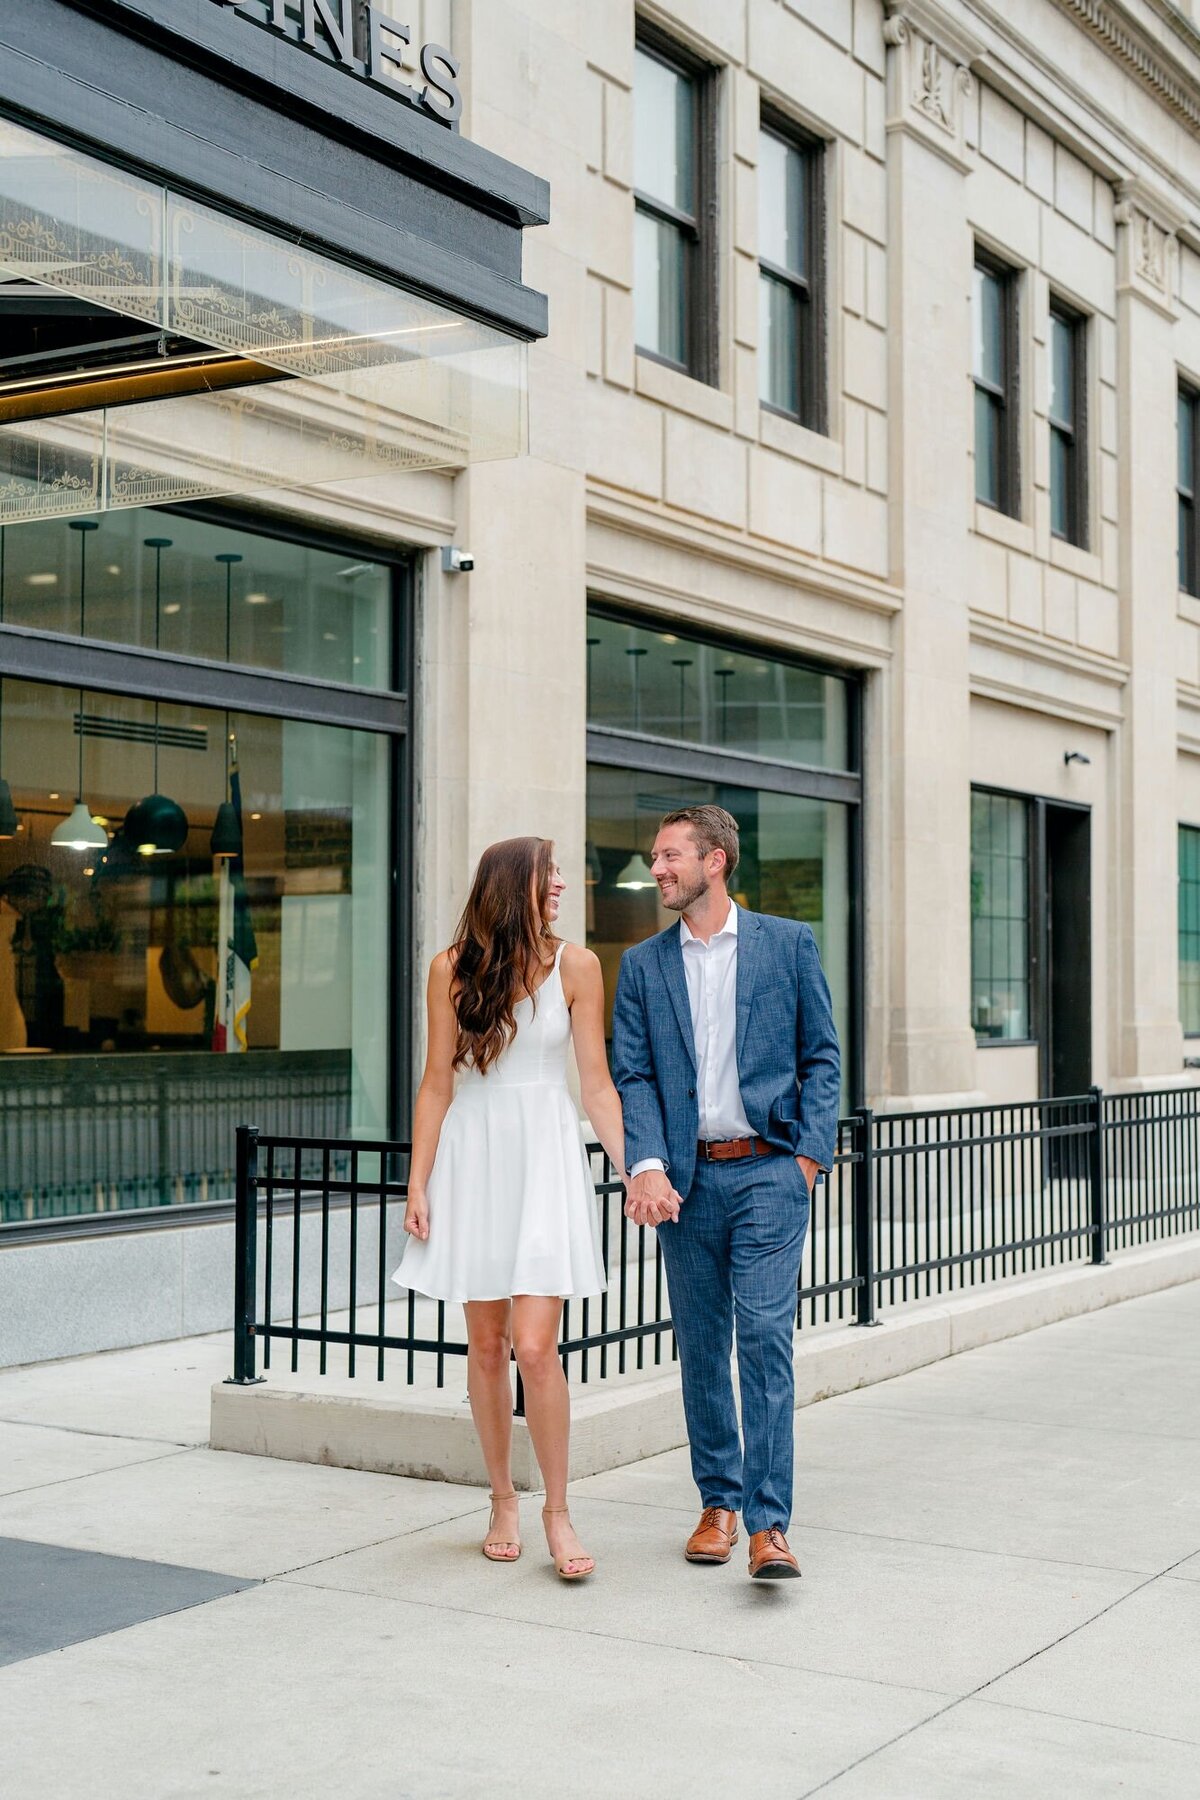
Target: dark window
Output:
[(674, 272), (1189, 929), (1000, 886), (994, 369), (1189, 561), (1068, 445), (790, 337), (676, 720)]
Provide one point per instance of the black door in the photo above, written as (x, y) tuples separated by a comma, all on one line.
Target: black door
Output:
[(1067, 982)]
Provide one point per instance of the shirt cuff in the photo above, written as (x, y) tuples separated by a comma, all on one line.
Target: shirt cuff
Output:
[(648, 1162)]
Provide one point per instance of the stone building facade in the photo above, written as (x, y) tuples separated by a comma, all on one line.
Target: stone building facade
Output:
[(1000, 654)]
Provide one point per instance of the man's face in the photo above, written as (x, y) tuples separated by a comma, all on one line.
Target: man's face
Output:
[(682, 874)]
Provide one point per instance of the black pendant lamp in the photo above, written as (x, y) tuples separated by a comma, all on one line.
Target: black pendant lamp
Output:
[(226, 840), (8, 812), (156, 826)]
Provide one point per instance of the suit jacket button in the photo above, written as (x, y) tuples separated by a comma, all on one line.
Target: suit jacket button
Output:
[(691, 1093)]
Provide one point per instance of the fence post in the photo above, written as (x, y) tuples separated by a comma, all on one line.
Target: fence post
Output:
[(1099, 1210), (245, 1250), (862, 1217)]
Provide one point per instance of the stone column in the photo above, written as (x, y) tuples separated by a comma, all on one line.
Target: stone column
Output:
[(1144, 958), (930, 1045)]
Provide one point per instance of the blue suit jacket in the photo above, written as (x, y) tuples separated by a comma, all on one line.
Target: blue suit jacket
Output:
[(789, 1064)]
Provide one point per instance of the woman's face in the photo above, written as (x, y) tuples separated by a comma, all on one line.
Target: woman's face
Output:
[(554, 892)]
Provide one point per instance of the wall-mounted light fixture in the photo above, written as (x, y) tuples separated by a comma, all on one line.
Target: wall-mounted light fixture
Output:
[(1077, 756)]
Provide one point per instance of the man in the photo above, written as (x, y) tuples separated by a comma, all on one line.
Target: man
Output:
[(727, 1063)]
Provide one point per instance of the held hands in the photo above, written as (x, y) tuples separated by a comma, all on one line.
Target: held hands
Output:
[(651, 1199), (416, 1216)]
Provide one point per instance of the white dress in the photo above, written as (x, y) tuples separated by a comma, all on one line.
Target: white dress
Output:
[(512, 1208)]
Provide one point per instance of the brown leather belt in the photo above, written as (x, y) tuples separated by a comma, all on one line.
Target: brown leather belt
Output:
[(733, 1149)]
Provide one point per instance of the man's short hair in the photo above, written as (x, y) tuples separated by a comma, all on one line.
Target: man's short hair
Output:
[(713, 829)]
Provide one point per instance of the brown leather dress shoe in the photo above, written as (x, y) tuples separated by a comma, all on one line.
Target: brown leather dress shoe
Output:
[(714, 1537), (770, 1558)]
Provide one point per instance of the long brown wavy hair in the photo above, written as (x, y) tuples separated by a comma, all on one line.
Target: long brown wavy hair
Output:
[(499, 946)]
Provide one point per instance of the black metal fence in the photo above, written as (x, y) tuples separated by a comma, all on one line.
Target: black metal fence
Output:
[(918, 1205)]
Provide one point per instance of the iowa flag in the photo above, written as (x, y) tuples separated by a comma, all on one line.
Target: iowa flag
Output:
[(237, 949)]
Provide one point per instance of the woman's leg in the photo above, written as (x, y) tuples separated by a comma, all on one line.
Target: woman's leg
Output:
[(535, 1321), (489, 1344)]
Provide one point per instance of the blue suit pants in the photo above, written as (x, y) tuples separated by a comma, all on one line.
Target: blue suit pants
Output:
[(733, 1265)]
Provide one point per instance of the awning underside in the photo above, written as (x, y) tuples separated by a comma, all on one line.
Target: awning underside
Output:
[(347, 376)]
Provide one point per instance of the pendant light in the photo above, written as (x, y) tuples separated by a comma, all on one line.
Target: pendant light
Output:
[(8, 812), (156, 826), (635, 877), (226, 840), (79, 830)]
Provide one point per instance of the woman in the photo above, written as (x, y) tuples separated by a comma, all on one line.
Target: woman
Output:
[(501, 1207)]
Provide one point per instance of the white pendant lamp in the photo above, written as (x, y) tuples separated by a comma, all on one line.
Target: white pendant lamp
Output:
[(636, 876)]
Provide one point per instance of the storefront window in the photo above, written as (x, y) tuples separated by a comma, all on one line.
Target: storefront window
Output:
[(132, 1043), (199, 589), (645, 679), (769, 734)]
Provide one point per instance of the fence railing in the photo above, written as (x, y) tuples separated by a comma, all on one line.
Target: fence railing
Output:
[(917, 1205)]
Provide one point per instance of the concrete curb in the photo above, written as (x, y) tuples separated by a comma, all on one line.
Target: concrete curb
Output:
[(635, 1418)]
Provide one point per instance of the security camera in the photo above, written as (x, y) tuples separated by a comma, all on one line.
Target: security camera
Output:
[(456, 561)]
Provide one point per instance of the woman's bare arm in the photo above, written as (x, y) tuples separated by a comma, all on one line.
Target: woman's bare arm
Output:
[(435, 1092), (583, 985)]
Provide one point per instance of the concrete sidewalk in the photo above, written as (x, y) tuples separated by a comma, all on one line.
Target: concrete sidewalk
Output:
[(1001, 1599)]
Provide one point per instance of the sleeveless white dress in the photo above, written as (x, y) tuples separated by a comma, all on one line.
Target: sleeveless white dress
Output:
[(512, 1208)]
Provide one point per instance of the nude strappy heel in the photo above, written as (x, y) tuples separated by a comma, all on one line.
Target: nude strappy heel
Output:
[(562, 1565), (492, 1547)]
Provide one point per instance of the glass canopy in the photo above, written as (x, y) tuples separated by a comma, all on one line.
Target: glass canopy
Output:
[(296, 368)]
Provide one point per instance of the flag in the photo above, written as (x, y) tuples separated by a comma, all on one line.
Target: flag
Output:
[(237, 951)]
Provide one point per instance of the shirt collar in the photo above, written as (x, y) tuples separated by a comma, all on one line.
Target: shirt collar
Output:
[(728, 929)]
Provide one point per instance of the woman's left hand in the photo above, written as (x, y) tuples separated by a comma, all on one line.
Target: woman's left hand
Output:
[(416, 1217)]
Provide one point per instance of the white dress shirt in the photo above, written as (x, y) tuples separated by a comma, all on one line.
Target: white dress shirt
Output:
[(711, 971)]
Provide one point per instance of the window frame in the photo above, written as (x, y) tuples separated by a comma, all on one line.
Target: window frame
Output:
[(812, 411), (613, 747), (1071, 429), (1182, 827), (1033, 928), (1188, 498), (1008, 394), (698, 227)]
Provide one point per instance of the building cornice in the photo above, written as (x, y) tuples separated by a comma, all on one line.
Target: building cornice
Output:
[(1172, 83)]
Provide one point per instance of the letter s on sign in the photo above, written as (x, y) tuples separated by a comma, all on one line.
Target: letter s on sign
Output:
[(449, 107)]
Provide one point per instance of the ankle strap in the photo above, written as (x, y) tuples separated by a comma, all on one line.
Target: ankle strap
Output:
[(556, 1509), (511, 1496)]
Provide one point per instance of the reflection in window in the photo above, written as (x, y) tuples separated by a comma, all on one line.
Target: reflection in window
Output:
[(994, 370), (794, 863), (666, 685), (225, 594), (789, 253), (112, 1010), (1189, 929), (668, 229), (999, 916)]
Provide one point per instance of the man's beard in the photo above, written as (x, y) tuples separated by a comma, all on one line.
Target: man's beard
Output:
[(685, 894)]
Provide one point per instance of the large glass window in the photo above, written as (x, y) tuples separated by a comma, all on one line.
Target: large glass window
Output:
[(1188, 442), (1189, 929), (1000, 989), (1068, 450), (994, 372), (662, 683), (677, 721), (671, 281), (791, 377), (199, 589)]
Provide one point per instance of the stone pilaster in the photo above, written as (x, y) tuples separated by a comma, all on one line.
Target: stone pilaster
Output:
[(930, 1045), (1149, 1042)]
